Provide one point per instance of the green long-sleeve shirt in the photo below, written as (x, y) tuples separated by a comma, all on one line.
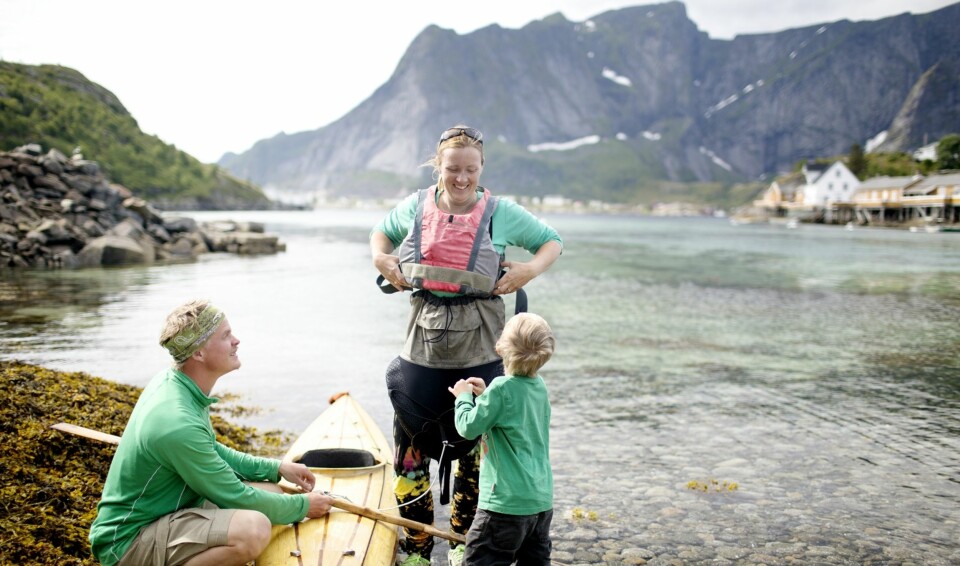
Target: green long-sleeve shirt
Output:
[(169, 459), (513, 414)]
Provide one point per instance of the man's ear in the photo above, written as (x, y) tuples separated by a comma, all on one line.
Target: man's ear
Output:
[(198, 355)]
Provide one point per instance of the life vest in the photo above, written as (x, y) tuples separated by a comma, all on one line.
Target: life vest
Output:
[(451, 252)]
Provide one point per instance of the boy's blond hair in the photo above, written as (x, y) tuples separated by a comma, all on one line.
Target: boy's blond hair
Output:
[(527, 343)]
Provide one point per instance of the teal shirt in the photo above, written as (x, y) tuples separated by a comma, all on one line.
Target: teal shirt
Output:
[(513, 225), (169, 459), (513, 414)]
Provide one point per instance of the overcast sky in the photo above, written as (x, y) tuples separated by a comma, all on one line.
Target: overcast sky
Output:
[(212, 76)]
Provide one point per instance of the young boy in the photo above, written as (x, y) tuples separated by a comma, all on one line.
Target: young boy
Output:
[(513, 415)]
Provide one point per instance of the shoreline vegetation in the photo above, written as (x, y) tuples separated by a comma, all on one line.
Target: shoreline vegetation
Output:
[(53, 480)]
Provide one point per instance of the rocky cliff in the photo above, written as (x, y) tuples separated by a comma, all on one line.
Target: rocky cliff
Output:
[(638, 95)]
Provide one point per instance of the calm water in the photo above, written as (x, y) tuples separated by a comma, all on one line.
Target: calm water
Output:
[(815, 368)]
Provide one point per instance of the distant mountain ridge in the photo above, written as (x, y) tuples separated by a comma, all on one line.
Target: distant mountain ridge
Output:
[(653, 100)]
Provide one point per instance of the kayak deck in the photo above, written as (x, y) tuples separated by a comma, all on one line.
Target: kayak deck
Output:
[(355, 463)]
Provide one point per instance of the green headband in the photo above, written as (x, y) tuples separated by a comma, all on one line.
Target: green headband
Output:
[(186, 342)]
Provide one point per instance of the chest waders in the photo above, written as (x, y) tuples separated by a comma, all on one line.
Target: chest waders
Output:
[(448, 338)]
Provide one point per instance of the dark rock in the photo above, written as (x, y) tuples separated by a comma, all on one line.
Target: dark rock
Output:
[(180, 224), (89, 167), (149, 214), (112, 250), (92, 228), (33, 149), (159, 233), (57, 212), (29, 170), (53, 162), (51, 181)]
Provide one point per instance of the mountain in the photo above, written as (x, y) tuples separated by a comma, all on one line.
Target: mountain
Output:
[(638, 102), (60, 109)]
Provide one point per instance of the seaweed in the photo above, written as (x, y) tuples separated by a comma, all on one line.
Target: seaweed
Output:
[(53, 481)]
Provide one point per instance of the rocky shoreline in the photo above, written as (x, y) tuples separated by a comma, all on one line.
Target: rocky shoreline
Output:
[(62, 212)]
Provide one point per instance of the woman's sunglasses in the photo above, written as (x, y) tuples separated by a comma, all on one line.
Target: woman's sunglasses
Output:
[(472, 133)]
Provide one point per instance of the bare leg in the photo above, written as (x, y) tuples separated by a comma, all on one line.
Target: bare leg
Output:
[(248, 535)]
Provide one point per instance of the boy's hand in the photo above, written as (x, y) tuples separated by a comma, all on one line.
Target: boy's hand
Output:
[(478, 385), (473, 385), (461, 386)]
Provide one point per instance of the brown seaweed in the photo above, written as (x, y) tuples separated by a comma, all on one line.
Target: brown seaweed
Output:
[(52, 481)]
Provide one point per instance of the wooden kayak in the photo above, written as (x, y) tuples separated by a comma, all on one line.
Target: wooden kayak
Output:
[(351, 459)]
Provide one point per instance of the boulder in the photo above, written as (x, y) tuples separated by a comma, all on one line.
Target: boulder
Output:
[(112, 250), (62, 212)]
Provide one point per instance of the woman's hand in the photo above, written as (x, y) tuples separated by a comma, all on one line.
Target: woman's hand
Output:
[(381, 248), (389, 267), (298, 475), (519, 273)]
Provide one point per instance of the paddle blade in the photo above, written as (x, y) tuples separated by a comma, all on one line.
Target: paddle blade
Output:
[(87, 433)]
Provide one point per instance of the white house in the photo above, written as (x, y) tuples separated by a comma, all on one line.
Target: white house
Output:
[(827, 186)]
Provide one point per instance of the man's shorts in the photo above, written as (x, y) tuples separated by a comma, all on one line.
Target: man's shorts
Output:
[(175, 538)]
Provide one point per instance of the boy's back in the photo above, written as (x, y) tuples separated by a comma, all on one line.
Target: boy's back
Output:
[(515, 509), (513, 414)]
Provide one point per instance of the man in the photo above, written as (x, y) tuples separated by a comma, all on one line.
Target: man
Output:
[(174, 495)]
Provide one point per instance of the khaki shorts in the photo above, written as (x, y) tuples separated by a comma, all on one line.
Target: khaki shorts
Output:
[(175, 538)]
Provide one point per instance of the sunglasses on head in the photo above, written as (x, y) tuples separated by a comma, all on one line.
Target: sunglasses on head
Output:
[(472, 133)]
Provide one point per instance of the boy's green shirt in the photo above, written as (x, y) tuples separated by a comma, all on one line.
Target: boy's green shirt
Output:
[(513, 414)]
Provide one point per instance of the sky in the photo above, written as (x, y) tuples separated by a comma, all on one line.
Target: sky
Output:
[(216, 76)]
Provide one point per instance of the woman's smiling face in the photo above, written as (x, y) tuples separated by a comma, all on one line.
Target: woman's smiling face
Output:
[(460, 169)]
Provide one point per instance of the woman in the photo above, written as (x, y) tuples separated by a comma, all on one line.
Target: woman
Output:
[(447, 243)]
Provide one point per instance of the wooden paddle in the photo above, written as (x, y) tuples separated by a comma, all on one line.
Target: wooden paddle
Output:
[(380, 516), (290, 488), (87, 433)]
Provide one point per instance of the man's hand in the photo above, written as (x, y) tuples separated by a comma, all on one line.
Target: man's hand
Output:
[(298, 474), (319, 504)]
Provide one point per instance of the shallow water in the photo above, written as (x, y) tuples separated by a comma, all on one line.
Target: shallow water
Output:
[(815, 369)]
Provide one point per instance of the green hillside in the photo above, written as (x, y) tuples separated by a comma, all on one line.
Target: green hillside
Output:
[(59, 108)]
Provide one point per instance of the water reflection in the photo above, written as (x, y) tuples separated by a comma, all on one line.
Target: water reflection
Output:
[(816, 368), (57, 310)]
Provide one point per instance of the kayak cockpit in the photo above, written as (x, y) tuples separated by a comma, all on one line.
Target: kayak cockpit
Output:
[(340, 461)]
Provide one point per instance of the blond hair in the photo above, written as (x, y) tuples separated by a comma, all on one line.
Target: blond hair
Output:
[(182, 317), (527, 343), (455, 142)]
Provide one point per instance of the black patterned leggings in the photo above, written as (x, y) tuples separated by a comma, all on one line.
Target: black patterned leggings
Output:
[(420, 394), (413, 480)]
